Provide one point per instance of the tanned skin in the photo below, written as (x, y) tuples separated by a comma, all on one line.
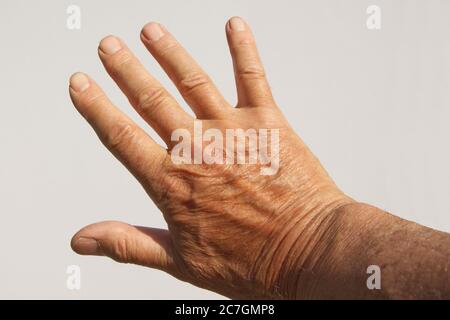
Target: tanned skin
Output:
[(291, 235)]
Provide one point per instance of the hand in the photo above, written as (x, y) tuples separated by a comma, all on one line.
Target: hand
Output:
[(231, 229)]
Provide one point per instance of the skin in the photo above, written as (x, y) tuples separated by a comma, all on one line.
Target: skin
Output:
[(291, 235)]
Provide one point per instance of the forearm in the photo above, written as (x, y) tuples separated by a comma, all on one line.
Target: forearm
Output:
[(413, 259)]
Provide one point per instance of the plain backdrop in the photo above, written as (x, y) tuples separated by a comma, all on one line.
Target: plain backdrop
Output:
[(372, 105)]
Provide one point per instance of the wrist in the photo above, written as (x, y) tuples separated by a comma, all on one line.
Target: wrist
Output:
[(295, 257), (343, 251)]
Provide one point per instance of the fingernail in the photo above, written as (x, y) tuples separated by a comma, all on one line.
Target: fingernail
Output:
[(152, 31), (87, 246), (79, 82), (237, 24), (110, 45)]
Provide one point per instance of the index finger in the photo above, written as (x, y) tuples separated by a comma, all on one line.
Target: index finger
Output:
[(125, 139)]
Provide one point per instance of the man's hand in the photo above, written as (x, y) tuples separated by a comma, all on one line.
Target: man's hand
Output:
[(231, 229)]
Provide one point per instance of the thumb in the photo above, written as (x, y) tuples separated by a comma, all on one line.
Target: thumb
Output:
[(122, 242)]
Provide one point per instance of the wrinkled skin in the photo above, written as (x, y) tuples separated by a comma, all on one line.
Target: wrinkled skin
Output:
[(230, 229), (233, 228)]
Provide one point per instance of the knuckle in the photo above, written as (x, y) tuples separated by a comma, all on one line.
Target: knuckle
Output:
[(121, 135), (151, 100), (90, 102), (244, 43), (167, 47), (120, 61), (192, 82), (95, 99), (251, 72), (122, 249)]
